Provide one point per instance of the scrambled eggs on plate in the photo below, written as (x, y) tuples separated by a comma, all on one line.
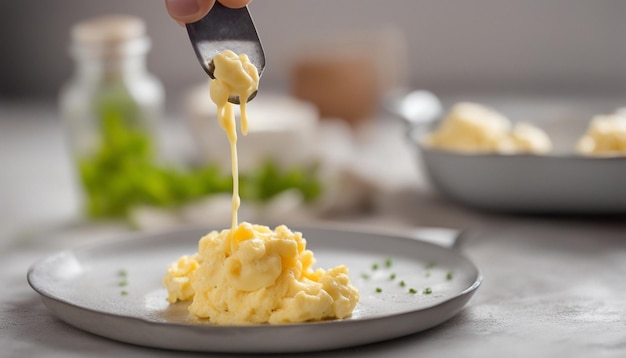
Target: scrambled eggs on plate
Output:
[(257, 275)]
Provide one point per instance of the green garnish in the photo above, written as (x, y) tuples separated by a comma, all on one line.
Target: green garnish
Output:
[(412, 290), (402, 284), (375, 267), (449, 275), (365, 276), (392, 276), (124, 173), (379, 290), (428, 291), (388, 263), (123, 282), (269, 180), (427, 274), (430, 265), (117, 184)]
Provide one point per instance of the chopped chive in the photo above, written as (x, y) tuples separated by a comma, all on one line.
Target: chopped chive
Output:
[(392, 276), (430, 265), (412, 290), (122, 273), (428, 291), (379, 290), (365, 276), (402, 284), (123, 283), (375, 267), (449, 275), (388, 263), (124, 293)]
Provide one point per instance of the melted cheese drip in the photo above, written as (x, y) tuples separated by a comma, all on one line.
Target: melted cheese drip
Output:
[(234, 76)]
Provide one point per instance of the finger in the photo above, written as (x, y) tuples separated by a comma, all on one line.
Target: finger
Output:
[(188, 11), (235, 3)]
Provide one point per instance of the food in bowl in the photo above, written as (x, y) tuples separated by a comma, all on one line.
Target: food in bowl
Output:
[(605, 136), (474, 128)]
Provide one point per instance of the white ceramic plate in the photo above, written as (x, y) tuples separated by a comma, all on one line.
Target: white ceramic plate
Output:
[(114, 290)]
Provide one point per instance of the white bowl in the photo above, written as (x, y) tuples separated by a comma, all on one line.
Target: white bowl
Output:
[(531, 184), (280, 127), (562, 182)]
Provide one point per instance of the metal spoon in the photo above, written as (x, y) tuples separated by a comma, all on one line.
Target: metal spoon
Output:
[(416, 107), (419, 109), (222, 29)]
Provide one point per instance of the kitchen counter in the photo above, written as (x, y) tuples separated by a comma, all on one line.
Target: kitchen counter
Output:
[(553, 286)]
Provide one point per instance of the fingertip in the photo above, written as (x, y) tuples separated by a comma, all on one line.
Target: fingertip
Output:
[(235, 4), (188, 11)]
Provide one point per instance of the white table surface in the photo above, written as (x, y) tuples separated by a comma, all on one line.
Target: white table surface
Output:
[(553, 286)]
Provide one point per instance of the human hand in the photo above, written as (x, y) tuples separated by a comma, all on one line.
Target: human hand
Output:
[(188, 11)]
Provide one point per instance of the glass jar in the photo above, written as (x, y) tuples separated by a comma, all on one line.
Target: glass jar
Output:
[(111, 109)]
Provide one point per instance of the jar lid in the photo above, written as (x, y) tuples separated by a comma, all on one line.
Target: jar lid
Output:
[(109, 29)]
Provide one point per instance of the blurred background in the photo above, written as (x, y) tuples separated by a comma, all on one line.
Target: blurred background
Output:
[(469, 49), (476, 45)]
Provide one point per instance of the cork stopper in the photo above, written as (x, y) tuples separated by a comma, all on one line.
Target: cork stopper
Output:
[(109, 29)]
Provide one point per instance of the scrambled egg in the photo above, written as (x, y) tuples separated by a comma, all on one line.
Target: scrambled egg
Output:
[(234, 75), (606, 136), (249, 273), (256, 275), (177, 280), (470, 127)]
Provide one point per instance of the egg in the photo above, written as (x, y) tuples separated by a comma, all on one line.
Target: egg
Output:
[(471, 127), (177, 279), (606, 136), (530, 139), (254, 275), (234, 75)]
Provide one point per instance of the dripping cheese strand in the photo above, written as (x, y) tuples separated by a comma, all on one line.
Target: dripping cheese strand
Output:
[(234, 76)]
